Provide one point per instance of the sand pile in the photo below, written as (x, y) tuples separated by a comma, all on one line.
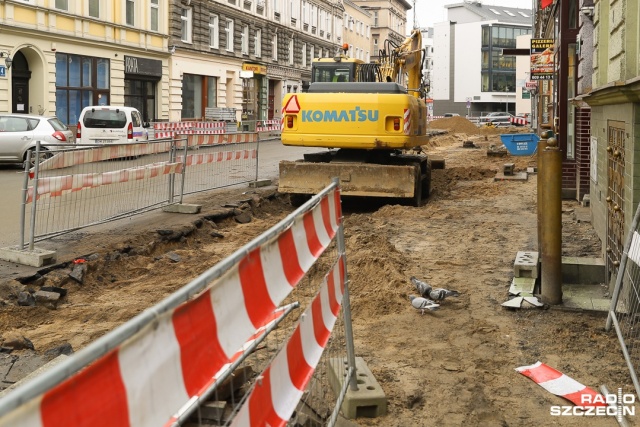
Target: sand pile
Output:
[(455, 125)]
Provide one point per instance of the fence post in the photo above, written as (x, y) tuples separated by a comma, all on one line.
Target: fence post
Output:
[(348, 328), (184, 168), (35, 197), (25, 191), (621, 268), (172, 177), (257, 154)]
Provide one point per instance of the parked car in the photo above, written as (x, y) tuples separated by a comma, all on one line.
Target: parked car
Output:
[(451, 115), (496, 119), (108, 124), (20, 132)]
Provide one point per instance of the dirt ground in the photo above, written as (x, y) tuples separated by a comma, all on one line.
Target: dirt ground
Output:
[(452, 367)]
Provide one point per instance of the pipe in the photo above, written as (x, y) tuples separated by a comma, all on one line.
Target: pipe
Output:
[(551, 223)]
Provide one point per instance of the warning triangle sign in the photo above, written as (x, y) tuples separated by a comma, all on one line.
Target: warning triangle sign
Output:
[(292, 105)]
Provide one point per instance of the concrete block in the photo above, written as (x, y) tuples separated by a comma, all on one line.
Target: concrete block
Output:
[(368, 401), (437, 162), (526, 264), (260, 183), (520, 176), (582, 270), (35, 258), (182, 208), (508, 168), (586, 201), (523, 286)]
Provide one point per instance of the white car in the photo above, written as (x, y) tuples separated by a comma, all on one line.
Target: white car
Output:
[(497, 118), (108, 124), (19, 134)]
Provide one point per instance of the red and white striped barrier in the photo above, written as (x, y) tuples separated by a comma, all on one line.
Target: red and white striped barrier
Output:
[(435, 117), (277, 315), (155, 373), (65, 159), (267, 125), (194, 140), (56, 186), (519, 121), (407, 121), (561, 385), (276, 394), (222, 156)]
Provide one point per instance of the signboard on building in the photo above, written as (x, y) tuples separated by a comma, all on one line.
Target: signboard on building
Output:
[(3, 71), (255, 68), (542, 59), (142, 66)]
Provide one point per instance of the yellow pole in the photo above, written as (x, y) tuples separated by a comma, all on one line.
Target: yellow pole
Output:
[(551, 223), (542, 144)]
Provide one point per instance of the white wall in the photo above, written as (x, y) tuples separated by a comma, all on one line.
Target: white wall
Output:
[(468, 61), (441, 48), (522, 74)]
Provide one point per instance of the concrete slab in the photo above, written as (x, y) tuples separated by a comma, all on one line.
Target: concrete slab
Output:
[(582, 270), (35, 258), (601, 304), (34, 372), (522, 286), (577, 303), (526, 264), (260, 183), (368, 401), (520, 176), (184, 208)]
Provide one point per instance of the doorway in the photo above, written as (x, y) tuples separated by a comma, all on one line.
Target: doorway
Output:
[(20, 84)]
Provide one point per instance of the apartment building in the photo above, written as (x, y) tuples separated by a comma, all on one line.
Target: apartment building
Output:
[(66, 54), (173, 60)]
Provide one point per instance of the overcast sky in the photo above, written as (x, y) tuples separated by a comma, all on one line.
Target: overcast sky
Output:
[(432, 11)]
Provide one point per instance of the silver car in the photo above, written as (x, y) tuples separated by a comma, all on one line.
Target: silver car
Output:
[(20, 132)]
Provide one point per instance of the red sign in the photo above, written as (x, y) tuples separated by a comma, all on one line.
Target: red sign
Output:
[(292, 105)]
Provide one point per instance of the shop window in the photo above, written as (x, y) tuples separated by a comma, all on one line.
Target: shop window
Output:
[(81, 81), (198, 93)]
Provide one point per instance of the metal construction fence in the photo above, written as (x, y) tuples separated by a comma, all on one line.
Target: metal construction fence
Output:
[(84, 186), (233, 337), (624, 313)]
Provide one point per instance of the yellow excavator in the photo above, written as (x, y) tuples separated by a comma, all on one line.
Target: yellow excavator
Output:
[(372, 120)]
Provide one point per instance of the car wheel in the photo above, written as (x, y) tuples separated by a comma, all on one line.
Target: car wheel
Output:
[(44, 155)]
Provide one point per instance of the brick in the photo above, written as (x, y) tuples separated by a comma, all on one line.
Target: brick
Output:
[(526, 264)]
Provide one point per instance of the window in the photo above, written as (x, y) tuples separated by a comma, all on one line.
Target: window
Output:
[(198, 93), (153, 14), (291, 52), (80, 81), (229, 33), (312, 52), (245, 40), (94, 8), (62, 4), (213, 32), (258, 43), (375, 18), (304, 54), (274, 47), (375, 45), (185, 25), (130, 10), (346, 20)]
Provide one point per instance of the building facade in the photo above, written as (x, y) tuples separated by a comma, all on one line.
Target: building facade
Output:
[(469, 68), (70, 54)]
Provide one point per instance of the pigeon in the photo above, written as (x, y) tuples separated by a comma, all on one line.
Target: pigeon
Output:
[(422, 287), (435, 294), (439, 294), (423, 304)]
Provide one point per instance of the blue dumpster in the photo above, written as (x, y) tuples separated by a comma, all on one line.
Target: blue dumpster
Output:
[(520, 144)]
